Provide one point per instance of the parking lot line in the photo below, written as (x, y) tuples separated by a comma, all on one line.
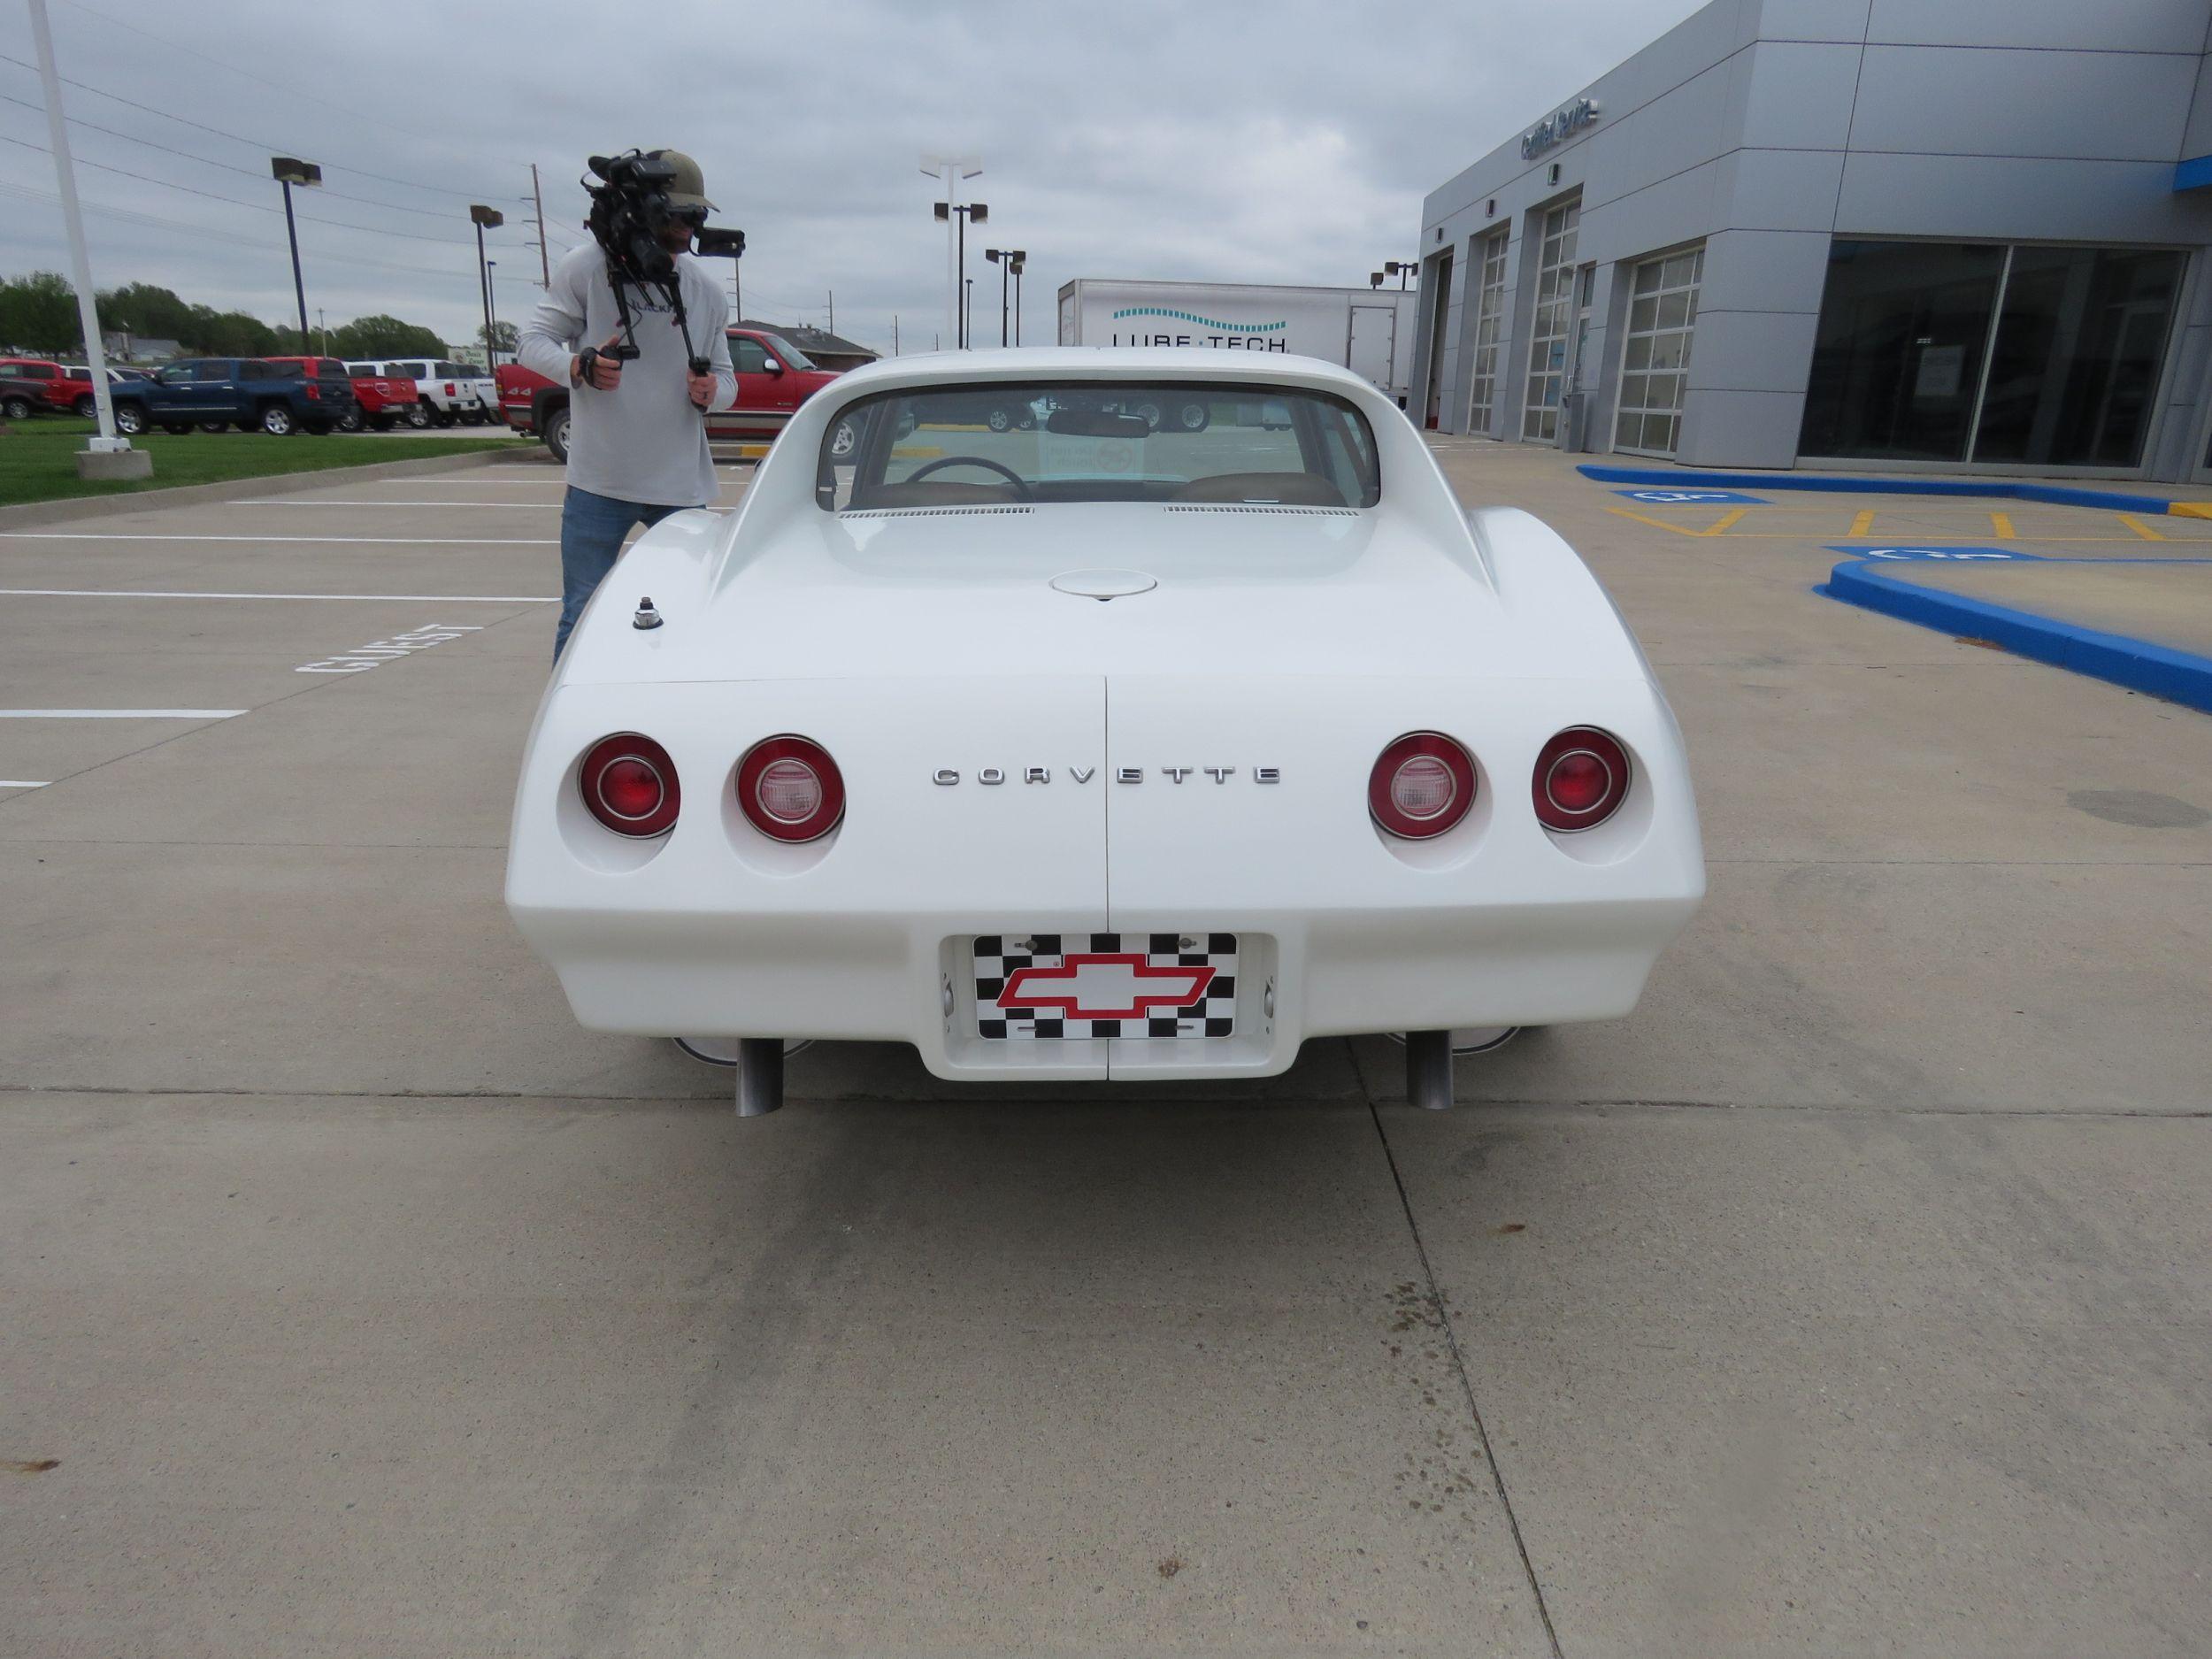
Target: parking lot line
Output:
[(1864, 524), (409, 599), (122, 714), (22, 783), (336, 541), (2000, 527), (2139, 527)]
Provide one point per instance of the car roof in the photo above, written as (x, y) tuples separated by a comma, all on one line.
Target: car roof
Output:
[(1277, 370)]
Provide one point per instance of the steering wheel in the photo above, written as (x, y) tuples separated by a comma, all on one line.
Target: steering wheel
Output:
[(1022, 491)]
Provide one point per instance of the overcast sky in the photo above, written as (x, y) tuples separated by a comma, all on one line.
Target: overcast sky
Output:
[(1288, 143)]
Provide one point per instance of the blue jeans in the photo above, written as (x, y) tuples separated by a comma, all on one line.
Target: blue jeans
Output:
[(592, 529)]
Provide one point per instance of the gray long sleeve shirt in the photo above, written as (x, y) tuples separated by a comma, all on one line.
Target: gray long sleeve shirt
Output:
[(645, 440)]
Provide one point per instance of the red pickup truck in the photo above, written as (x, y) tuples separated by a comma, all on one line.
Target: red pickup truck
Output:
[(383, 401), (54, 384), (774, 379)]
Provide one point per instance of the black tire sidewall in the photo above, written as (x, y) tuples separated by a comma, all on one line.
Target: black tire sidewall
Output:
[(557, 435)]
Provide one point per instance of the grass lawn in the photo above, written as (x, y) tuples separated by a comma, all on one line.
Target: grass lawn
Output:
[(38, 457)]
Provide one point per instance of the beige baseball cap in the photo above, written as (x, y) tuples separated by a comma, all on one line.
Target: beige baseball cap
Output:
[(688, 187)]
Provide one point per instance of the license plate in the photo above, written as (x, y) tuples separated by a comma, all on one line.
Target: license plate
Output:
[(1106, 985)]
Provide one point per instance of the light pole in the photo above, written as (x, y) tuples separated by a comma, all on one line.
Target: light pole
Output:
[(1009, 261), (967, 316), (1020, 263), (978, 211), (288, 171), (482, 217), (1402, 268), (491, 308), (322, 328), (952, 170)]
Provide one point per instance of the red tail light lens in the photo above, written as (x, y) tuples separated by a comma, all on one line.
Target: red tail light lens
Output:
[(629, 783), (1422, 785), (1582, 777), (314, 392), (789, 788)]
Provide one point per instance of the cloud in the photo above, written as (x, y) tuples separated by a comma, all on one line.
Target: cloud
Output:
[(1288, 143)]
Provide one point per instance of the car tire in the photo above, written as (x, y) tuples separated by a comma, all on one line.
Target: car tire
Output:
[(214, 425), (350, 421), (276, 420), (999, 420), (84, 407), (176, 429), (375, 423), (1149, 413), (1193, 418), (16, 408), (130, 419), (318, 428), (445, 418), (557, 433), (417, 417)]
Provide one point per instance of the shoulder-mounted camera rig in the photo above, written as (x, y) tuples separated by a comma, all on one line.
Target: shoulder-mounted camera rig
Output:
[(629, 218)]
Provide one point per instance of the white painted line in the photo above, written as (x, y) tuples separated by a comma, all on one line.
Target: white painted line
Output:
[(409, 599), (122, 714), (340, 541), (283, 500), (19, 783)]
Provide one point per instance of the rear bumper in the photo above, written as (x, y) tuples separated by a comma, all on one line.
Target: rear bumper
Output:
[(909, 978)]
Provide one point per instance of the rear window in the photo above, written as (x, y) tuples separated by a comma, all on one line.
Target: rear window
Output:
[(326, 367), (455, 371), (1076, 440), (363, 369), (79, 374)]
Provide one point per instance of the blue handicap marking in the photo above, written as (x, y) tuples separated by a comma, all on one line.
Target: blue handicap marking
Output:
[(1961, 555), (1693, 497)]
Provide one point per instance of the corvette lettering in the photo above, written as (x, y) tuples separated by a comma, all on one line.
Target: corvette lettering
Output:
[(950, 775)]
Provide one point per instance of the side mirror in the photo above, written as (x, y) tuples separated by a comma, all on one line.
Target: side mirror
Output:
[(771, 365)]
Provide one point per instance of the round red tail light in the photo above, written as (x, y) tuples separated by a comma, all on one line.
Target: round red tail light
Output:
[(788, 788), (629, 783), (1582, 777), (1422, 785)]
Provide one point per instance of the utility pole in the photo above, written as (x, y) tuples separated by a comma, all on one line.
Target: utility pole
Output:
[(832, 309), (322, 328), (895, 334), (545, 264), (105, 456)]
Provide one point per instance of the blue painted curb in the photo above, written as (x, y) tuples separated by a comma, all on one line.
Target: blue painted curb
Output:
[(1996, 489), (2179, 676)]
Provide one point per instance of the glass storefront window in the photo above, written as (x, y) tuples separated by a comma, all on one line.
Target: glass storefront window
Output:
[(2080, 336), (1970, 352), (1898, 355)]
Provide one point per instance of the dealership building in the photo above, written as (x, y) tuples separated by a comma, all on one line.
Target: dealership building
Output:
[(1965, 236)]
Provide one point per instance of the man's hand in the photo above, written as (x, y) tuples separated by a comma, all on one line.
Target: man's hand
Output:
[(606, 371), (701, 389)]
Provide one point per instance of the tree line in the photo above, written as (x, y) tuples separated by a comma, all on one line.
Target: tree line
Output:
[(38, 314)]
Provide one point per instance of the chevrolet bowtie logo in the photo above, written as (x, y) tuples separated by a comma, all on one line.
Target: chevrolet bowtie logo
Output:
[(1105, 987)]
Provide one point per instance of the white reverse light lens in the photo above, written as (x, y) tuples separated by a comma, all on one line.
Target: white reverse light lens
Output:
[(788, 791), (1423, 787)]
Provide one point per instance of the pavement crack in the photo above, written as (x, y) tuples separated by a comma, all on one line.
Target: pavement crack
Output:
[(1466, 1383)]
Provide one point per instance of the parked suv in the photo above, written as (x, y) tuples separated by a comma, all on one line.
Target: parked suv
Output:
[(53, 382), (451, 392), (251, 392), (377, 402), (774, 379)]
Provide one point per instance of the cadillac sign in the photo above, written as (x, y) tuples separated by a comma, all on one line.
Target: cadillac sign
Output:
[(1557, 128)]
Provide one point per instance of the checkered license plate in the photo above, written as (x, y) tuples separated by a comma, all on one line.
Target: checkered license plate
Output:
[(1106, 985)]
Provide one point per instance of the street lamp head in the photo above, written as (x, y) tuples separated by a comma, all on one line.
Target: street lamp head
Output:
[(490, 217), (978, 214), (1391, 268), (288, 170), (991, 254), (1374, 279), (944, 209), (1018, 254)]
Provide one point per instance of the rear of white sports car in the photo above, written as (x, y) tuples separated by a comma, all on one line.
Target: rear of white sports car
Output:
[(1187, 721)]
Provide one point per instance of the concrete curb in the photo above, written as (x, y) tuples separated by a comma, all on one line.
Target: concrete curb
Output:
[(1998, 489), (33, 512), (2138, 665)]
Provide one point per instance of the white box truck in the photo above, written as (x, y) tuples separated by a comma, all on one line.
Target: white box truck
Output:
[(1367, 330)]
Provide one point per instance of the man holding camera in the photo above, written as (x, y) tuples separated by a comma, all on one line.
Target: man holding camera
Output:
[(637, 438)]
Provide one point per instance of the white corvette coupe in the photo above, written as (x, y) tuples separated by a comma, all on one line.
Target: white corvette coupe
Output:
[(1073, 714)]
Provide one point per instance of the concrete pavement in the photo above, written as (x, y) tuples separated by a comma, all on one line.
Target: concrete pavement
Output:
[(1849, 1298)]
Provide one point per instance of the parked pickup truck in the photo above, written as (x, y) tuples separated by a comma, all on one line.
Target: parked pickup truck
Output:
[(251, 393), (378, 401), (774, 379), (452, 392), (21, 398), (53, 382)]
